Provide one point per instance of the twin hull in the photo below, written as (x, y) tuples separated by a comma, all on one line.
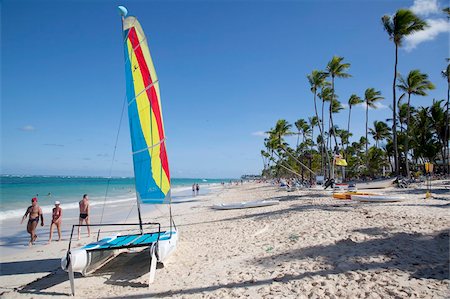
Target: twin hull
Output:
[(87, 261)]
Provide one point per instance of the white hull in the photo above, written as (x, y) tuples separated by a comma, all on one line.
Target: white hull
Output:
[(376, 198), (167, 247), (380, 184), (245, 204), (87, 261)]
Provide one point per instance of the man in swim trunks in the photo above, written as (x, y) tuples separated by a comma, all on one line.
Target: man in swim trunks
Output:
[(34, 211), (56, 220), (84, 214)]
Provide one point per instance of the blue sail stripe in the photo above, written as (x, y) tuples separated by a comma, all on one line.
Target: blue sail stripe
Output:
[(146, 187)]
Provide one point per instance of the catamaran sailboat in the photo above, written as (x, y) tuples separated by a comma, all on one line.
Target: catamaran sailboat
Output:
[(151, 167)]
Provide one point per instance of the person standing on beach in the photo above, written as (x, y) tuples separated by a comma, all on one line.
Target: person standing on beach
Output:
[(84, 214), (193, 189), (56, 220), (197, 188), (35, 212)]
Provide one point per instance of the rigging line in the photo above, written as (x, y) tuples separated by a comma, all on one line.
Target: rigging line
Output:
[(281, 164), (149, 147), (287, 168), (113, 157), (129, 213), (303, 165), (142, 91)]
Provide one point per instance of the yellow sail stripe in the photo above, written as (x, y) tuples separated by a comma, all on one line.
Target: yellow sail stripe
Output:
[(147, 119)]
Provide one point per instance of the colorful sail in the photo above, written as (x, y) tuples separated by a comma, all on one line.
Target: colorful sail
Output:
[(151, 167)]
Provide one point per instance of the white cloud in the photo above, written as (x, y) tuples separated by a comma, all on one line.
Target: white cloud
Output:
[(425, 7), (344, 105), (435, 27), (260, 134), (28, 128), (378, 105)]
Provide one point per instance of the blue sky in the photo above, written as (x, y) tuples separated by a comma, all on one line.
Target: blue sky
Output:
[(228, 70)]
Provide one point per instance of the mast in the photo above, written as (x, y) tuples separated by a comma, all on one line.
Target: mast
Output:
[(123, 13), (148, 142)]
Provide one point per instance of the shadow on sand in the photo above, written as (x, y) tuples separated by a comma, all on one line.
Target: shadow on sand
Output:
[(423, 256), (28, 267), (38, 286), (126, 267), (122, 270)]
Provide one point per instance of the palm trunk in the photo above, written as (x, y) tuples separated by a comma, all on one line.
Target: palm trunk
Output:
[(331, 111), (367, 140), (407, 138), (320, 129), (330, 144), (348, 128), (394, 113), (446, 147), (323, 140)]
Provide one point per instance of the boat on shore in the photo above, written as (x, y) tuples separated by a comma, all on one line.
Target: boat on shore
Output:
[(245, 204), (377, 198), (375, 184), (348, 195), (151, 169)]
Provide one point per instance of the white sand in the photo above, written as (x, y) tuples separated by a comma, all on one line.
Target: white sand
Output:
[(308, 246)]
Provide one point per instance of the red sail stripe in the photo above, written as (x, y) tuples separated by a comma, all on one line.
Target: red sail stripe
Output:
[(152, 96)]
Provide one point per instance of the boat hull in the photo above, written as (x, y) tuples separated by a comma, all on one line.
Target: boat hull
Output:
[(245, 205), (167, 247), (86, 261), (349, 195), (380, 184), (377, 198)]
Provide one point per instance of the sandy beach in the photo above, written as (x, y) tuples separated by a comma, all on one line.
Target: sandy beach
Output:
[(308, 246)]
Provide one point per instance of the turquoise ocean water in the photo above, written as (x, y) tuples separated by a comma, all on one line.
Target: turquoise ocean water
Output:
[(16, 191)]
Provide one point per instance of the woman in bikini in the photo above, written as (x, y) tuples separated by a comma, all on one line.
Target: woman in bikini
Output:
[(56, 220), (35, 212)]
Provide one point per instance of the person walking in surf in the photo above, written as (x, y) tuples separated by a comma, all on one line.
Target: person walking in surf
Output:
[(84, 214), (35, 212), (56, 220)]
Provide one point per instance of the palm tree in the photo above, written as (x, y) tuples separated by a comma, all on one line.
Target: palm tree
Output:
[(402, 24), (445, 73), (379, 132), (335, 107), (439, 123), (352, 101), (417, 84), (316, 80), (282, 128), (313, 122), (325, 96), (336, 69), (300, 125), (447, 11), (370, 97), (425, 141)]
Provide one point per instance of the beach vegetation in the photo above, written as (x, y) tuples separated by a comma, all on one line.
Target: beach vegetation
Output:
[(403, 23), (402, 144)]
